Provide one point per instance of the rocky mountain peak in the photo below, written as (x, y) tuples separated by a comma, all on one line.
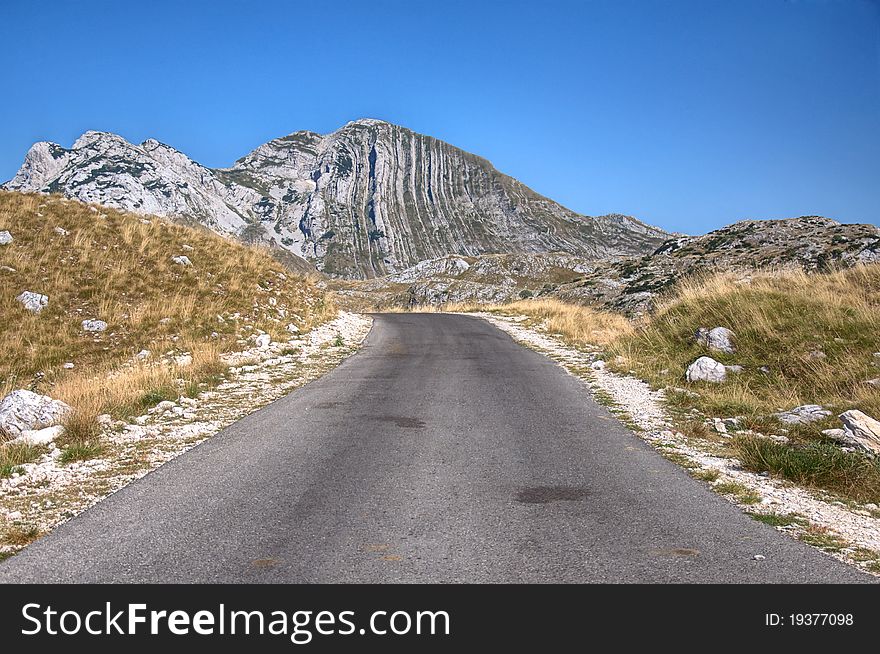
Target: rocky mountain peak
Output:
[(369, 199)]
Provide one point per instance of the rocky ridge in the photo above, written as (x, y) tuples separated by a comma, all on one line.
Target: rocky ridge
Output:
[(369, 199)]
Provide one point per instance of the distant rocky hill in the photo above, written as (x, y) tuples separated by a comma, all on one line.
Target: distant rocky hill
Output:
[(369, 199), (631, 285)]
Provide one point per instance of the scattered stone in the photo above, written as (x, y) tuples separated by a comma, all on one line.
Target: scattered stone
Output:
[(874, 382), (182, 259), (187, 401), (735, 370), (105, 420), (719, 425), (61, 231), (802, 415), (765, 370), (39, 436), (33, 301), (24, 410), (759, 557), (188, 248), (262, 341), (165, 405), (701, 336), (94, 325), (817, 354), (8, 269), (143, 354), (706, 369), (5, 238), (598, 365), (720, 339), (293, 329), (862, 430), (835, 434), (68, 366)]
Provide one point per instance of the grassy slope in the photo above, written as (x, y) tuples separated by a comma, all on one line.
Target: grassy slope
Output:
[(117, 267)]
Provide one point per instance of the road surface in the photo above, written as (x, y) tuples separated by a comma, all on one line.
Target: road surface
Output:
[(441, 452)]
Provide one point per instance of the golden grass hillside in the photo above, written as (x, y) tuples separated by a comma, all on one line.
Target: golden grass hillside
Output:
[(97, 263)]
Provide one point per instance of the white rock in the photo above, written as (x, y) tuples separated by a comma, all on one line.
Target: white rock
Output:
[(187, 401), (719, 425), (5, 238), (39, 436), (61, 231), (182, 259), (720, 339), (759, 557), (68, 366), (862, 430), (735, 370), (143, 354), (33, 301), (24, 410), (188, 248), (165, 405), (262, 341), (801, 415), (94, 325), (293, 329), (105, 420), (598, 365), (706, 369)]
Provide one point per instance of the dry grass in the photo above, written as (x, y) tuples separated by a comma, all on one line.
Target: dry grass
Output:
[(784, 321), (577, 325), (117, 267)]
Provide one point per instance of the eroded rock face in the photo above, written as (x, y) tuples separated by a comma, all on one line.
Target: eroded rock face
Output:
[(24, 410), (368, 199), (861, 430), (706, 369)]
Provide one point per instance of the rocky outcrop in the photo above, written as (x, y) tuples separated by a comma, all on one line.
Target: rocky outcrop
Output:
[(23, 410), (368, 199), (861, 430), (804, 414)]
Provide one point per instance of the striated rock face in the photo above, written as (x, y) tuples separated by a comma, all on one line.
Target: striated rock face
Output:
[(370, 199)]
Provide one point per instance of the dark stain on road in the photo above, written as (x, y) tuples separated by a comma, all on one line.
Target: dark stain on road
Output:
[(547, 494), (402, 421)]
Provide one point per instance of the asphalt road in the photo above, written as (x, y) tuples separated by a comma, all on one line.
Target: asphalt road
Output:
[(441, 452)]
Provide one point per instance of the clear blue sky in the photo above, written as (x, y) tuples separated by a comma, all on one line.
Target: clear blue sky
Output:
[(686, 114)]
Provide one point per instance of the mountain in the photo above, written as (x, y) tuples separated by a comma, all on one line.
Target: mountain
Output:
[(369, 199), (631, 284)]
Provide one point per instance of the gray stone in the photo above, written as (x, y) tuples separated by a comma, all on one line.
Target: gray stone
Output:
[(5, 238), (34, 302), (862, 430), (262, 341), (182, 259), (706, 369), (736, 370), (24, 410), (804, 414), (94, 325), (720, 339)]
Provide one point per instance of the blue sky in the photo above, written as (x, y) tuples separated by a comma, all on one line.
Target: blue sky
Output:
[(687, 114)]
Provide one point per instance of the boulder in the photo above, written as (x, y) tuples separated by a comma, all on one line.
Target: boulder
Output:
[(801, 415), (182, 259), (27, 411), (706, 369), (94, 325), (862, 430), (720, 339), (33, 301), (5, 238)]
